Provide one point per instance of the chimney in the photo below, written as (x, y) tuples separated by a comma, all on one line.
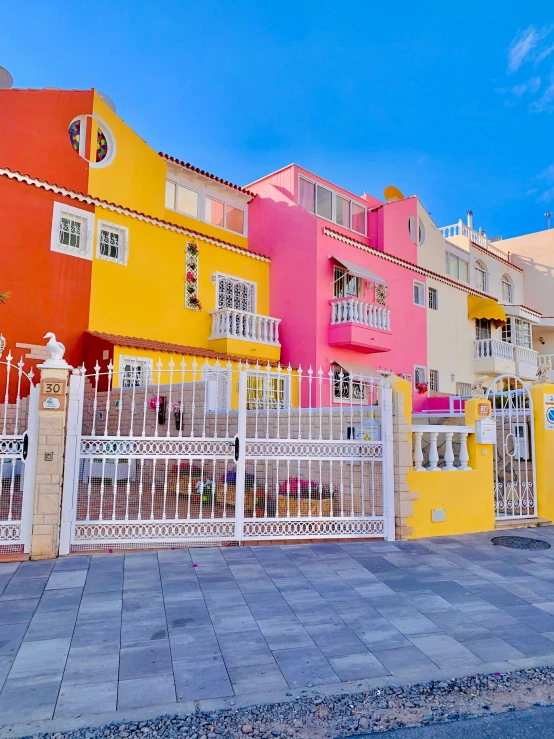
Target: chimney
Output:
[(470, 218)]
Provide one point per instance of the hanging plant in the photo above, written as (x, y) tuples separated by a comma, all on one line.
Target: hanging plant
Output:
[(191, 277), (421, 387), (381, 294)]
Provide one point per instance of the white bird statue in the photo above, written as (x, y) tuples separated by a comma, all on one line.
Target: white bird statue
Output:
[(55, 348), (477, 390)]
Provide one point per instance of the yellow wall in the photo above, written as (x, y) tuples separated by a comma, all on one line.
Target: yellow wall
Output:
[(544, 448), (146, 297), (136, 179), (467, 497)]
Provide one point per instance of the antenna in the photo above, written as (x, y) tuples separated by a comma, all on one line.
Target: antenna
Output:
[(392, 194), (547, 216), (6, 80)]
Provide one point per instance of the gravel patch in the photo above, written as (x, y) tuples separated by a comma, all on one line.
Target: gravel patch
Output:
[(333, 717)]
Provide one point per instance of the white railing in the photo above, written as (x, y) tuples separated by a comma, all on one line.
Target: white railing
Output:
[(451, 461), (353, 310), (544, 358), (476, 237), (228, 323), (494, 349), (527, 357)]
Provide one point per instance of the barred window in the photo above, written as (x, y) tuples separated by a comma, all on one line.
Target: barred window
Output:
[(463, 388), (112, 243), (345, 388), (420, 375), (266, 391), (235, 293), (71, 231), (434, 380), (135, 371), (433, 298)]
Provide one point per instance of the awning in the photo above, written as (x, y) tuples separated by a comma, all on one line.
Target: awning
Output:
[(478, 307), (358, 371), (358, 271)]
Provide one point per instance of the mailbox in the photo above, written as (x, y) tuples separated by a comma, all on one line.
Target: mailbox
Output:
[(486, 431)]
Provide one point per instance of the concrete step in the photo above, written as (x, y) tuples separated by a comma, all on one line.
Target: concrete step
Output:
[(522, 523)]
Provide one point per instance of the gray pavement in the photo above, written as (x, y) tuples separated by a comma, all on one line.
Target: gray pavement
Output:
[(95, 634), (533, 722)]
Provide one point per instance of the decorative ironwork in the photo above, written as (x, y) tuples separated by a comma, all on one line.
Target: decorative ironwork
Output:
[(303, 528), (324, 449), (161, 448), (153, 530)]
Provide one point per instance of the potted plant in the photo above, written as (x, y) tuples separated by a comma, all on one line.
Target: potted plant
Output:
[(178, 415), (158, 403), (421, 387)]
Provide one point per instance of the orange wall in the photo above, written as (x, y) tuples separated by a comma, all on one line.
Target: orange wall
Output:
[(34, 136), (50, 291)]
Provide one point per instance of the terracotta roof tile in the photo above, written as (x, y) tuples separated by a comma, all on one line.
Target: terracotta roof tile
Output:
[(133, 342), (206, 174)]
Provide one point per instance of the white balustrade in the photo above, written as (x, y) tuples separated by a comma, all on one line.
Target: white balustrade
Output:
[(449, 461), (354, 310), (476, 237), (494, 349), (528, 358), (545, 358), (228, 323)]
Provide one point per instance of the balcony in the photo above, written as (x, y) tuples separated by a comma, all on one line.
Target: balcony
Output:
[(240, 332), (494, 357), (527, 363), (361, 326), (476, 237)]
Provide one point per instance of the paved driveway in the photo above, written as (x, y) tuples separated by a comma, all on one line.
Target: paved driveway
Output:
[(92, 634)]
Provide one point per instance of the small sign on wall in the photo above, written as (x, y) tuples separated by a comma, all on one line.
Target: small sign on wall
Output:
[(53, 394), (484, 409), (549, 411)]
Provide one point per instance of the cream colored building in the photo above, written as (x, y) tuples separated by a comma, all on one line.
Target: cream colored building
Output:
[(475, 285)]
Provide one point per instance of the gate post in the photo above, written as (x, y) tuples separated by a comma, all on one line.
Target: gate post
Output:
[(402, 455), (241, 459), (388, 463), (71, 466), (543, 401), (45, 531)]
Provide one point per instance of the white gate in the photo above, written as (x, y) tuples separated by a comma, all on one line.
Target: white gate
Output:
[(191, 455), (515, 489), (18, 444)]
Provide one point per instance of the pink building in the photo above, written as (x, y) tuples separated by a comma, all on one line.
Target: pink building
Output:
[(341, 275)]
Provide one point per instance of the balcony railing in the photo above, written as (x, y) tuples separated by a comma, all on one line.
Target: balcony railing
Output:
[(228, 323), (527, 357), (354, 310), (476, 237), (494, 349), (453, 445)]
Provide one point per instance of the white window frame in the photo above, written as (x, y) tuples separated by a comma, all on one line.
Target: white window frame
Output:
[(61, 210), (450, 255), (520, 329), (342, 276), (146, 363), (434, 380), (213, 377), (421, 286), (106, 130), (334, 195), (506, 281), (350, 398), (417, 380), (122, 232), (433, 294), (461, 386), (203, 193), (223, 276), (265, 400), (480, 268)]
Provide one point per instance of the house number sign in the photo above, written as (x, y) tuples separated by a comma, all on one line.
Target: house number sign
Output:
[(53, 394)]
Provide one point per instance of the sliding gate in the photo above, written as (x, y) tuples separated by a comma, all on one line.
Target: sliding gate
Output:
[(199, 455)]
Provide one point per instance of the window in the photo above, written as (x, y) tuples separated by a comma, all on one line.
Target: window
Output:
[(507, 289), (456, 267), (434, 380), (180, 198), (330, 205), (482, 328), (481, 277), (90, 133), (463, 389), (346, 285), (235, 293), (266, 391), (215, 212), (234, 219), (420, 375), (523, 333), (412, 227), (324, 202), (188, 201), (344, 388), (218, 389), (433, 298), (71, 231), (306, 194), (507, 331), (135, 371), (419, 293), (113, 243)]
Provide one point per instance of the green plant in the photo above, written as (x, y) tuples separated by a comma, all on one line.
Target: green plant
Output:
[(4, 296)]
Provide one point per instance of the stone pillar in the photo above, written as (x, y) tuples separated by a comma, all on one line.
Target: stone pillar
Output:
[(402, 450), (45, 534), (543, 426)]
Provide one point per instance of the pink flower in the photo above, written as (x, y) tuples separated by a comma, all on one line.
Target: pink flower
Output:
[(191, 277), (155, 403)]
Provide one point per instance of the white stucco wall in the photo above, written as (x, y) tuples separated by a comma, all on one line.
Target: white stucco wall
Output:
[(535, 254)]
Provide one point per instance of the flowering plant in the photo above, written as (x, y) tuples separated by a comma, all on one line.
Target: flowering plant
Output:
[(176, 407), (155, 403), (421, 387), (193, 300), (192, 248), (191, 277), (304, 488), (185, 467)]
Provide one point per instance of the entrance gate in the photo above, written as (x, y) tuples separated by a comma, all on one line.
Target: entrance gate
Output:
[(199, 455), (515, 490), (18, 443)]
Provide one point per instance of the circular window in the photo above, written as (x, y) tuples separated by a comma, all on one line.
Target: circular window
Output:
[(421, 234), (92, 139), (412, 227)]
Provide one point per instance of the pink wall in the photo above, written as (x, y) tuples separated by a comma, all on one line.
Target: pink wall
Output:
[(302, 274)]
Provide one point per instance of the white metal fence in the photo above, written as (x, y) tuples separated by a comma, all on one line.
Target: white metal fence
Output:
[(215, 454), (18, 441)]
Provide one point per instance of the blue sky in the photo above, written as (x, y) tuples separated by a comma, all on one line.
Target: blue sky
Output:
[(452, 101)]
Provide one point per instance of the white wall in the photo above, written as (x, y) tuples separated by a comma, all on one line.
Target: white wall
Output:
[(535, 254)]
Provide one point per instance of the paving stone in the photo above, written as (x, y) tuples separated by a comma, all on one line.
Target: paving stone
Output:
[(526, 640), (11, 636), (194, 682), (335, 640), (84, 699), (32, 570), (409, 621), (5, 666), (17, 611), (91, 665), (77, 562), (234, 620), (40, 659), (281, 633), (28, 699), (24, 588), (146, 691), (404, 659), (492, 649), (60, 600), (305, 666), (52, 625), (358, 666), (66, 579), (445, 651), (250, 650), (145, 660), (257, 678)]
